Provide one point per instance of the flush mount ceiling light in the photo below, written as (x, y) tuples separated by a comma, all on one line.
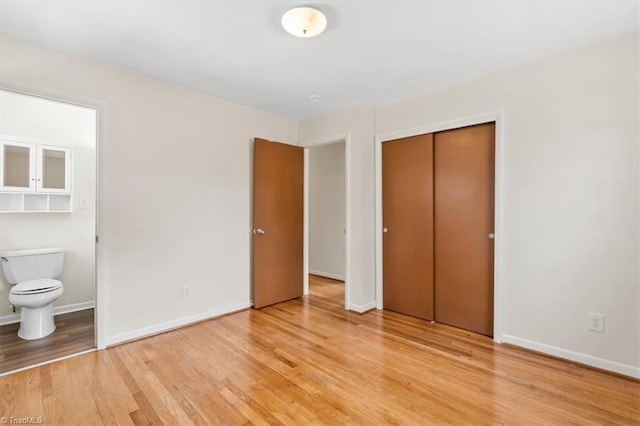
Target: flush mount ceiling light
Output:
[(304, 22)]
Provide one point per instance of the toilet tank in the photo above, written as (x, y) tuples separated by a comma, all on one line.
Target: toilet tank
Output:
[(25, 265)]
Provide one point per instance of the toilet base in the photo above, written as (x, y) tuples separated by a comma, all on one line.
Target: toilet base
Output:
[(36, 323)]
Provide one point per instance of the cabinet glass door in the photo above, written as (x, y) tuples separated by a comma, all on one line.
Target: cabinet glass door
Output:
[(53, 170), (17, 166)]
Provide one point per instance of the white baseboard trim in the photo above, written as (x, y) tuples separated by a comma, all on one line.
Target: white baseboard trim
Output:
[(604, 364), (361, 309), (327, 275), (169, 325), (57, 310)]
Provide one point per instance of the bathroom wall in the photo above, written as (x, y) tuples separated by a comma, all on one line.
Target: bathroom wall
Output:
[(326, 210), (74, 126)]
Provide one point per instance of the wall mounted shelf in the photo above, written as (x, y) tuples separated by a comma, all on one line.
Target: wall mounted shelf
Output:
[(14, 202), (35, 176)]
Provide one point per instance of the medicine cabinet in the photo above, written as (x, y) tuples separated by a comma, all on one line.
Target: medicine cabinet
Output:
[(35, 176)]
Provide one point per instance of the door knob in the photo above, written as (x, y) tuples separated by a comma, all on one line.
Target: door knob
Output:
[(385, 230), (258, 231), (492, 236)]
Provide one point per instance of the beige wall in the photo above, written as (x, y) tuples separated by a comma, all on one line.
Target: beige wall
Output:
[(70, 125), (571, 200), (177, 185), (571, 220), (327, 210)]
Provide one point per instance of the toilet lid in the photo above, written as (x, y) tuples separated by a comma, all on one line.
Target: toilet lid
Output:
[(36, 286)]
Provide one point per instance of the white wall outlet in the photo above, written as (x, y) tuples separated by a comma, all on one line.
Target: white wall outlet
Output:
[(186, 292), (596, 322), (84, 203)]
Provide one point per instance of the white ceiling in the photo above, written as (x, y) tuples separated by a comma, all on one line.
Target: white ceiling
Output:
[(372, 52)]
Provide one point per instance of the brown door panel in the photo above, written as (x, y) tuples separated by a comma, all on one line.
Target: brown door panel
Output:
[(407, 211), (464, 218), (278, 191)]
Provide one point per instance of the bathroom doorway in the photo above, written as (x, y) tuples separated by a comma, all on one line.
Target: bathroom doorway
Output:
[(36, 217), (326, 223)]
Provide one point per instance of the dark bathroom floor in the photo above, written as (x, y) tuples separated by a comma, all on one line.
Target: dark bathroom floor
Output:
[(74, 333)]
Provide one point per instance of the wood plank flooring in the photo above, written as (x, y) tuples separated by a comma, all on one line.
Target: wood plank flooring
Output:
[(308, 361), (74, 333)]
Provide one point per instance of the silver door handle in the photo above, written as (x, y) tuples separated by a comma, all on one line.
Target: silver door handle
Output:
[(492, 236), (385, 230), (258, 231)]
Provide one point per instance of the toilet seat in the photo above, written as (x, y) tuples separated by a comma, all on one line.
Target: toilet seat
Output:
[(36, 287)]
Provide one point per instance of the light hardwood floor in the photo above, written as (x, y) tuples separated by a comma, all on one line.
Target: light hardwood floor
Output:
[(308, 361), (74, 333)]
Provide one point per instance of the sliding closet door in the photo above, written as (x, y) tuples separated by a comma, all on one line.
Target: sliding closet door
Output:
[(464, 218), (407, 214)]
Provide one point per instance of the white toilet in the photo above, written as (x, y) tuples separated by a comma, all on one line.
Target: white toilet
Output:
[(32, 274)]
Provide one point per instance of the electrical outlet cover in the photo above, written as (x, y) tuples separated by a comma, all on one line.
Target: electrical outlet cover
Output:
[(596, 322)]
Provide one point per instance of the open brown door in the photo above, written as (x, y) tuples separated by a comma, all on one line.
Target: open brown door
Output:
[(464, 212), (407, 214), (278, 191)]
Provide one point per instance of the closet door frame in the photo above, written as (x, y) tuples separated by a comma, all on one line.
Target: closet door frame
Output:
[(482, 118)]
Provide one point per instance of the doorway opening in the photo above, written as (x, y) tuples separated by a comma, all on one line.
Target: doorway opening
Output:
[(326, 263), (60, 138)]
